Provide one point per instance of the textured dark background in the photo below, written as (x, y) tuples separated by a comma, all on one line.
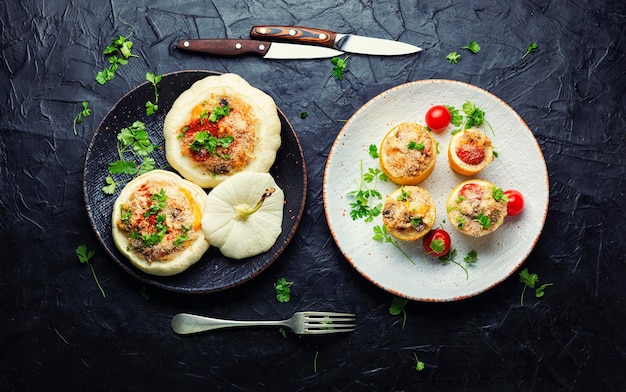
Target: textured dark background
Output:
[(58, 332)]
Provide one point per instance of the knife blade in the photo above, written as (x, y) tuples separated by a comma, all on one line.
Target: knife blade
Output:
[(268, 50), (330, 39)]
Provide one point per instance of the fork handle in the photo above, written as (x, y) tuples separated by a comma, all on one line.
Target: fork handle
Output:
[(185, 323)]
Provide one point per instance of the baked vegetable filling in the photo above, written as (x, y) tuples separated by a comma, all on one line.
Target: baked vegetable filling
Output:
[(160, 220), (220, 135)]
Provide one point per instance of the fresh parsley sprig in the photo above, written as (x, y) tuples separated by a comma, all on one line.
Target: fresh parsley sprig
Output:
[(470, 259), (367, 194), (118, 52), (132, 144), (153, 107), (84, 256), (397, 306), (530, 280), (531, 48), (382, 234), (472, 47), (86, 112)]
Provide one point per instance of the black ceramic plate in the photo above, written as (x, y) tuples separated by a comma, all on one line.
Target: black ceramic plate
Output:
[(213, 272)]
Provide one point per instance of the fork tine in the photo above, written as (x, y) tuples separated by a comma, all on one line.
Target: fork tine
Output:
[(308, 331), (327, 314)]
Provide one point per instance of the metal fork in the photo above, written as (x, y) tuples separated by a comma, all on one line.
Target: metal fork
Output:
[(301, 323)]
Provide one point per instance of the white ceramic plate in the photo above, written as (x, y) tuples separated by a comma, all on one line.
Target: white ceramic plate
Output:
[(520, 166)]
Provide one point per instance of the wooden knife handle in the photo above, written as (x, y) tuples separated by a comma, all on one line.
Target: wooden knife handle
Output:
[(224, 46), (295, 34)]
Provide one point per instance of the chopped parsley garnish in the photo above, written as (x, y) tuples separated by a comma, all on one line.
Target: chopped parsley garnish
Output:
[(484, 221), (204, 140), (413, 145), (453, 57), (373, 151), (283, 290), (498, 195)]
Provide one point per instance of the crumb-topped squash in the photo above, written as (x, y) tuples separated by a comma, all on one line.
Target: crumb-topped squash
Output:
[(221, 126)]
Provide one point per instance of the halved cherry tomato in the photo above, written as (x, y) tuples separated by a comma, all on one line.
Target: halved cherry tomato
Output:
[(437, 242), (515, 205), (438, 118)]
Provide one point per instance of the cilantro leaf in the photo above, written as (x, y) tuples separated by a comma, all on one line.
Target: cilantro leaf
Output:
[(85, 112), (453, 57), (339, 66), (530, 281), (283, 290), (531, 48), (84, 256), (472, 47), (397, 307)]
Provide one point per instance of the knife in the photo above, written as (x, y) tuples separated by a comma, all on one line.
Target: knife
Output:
[(268, 50), (326, 38)]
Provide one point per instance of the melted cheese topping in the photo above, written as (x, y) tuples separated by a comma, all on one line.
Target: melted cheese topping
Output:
[(473, 210), (408, 153)]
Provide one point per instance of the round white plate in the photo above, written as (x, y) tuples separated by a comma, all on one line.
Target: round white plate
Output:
[(520, 166)]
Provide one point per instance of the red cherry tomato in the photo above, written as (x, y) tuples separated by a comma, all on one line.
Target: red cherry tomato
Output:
[(438, 118), (515, 205), (437, 242)]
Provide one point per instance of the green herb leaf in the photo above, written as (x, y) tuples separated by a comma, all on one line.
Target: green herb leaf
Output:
[(85, 112), (84, 256), (122, 167), (304, 115), (472, 257), (373, 151), (472, 47), (283, 290), (397, 307), (339, 66), (413, 145), (498, 195), (453, 57), (456, 117), (531, 48), (110, 188), (419, 365)]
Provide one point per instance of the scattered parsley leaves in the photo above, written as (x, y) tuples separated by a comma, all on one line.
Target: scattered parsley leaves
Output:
[(132, 141), (84, 256), (381, 234), (86, 112), (339, 66), (397, 306), (283, 290), (472, 47), (153, 107), (456, 118), (531, 48), (530, 280), (118, 53), (471, 258), (419, 365), (304, 115), (373, 151), (453, 57), (367, 194)]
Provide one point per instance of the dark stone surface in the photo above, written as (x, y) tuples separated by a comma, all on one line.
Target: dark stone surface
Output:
[(58, 331)]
